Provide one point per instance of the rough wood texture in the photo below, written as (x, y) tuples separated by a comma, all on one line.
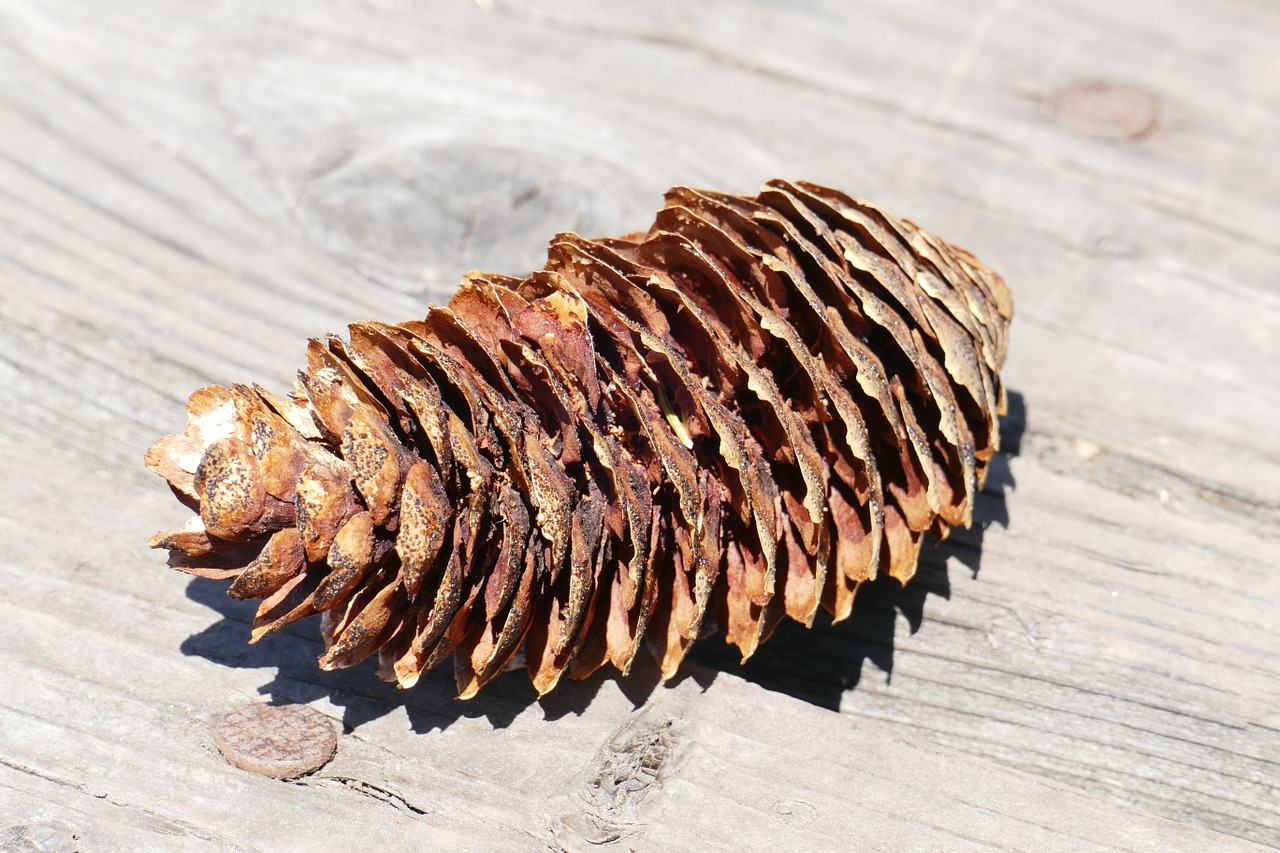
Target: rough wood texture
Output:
[(189, 191)]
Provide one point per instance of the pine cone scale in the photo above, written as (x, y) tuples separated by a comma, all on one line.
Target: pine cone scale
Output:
[(760, 271), (505, 576), (733, 368), (841, 287)]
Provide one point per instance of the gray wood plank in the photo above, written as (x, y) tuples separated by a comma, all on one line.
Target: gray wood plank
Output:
[(187, 193), (112, 677)]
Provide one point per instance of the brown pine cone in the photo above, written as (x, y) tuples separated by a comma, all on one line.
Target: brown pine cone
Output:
[(744, 413)]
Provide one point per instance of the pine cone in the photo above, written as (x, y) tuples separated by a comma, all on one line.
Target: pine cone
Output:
[(744, 413)]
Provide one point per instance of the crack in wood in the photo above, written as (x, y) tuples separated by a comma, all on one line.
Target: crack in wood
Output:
[(368, 789), (160, 823), (49, 777)]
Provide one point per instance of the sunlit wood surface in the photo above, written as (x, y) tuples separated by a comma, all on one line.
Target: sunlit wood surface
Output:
[(188, 191)]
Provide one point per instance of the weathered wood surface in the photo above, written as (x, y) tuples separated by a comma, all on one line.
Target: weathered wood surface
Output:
[(188, 191)]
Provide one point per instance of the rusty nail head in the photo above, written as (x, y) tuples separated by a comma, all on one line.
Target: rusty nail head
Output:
[(1104, 108), (280, 741)]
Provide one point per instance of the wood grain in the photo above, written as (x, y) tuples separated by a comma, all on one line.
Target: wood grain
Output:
[(189, 191)]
